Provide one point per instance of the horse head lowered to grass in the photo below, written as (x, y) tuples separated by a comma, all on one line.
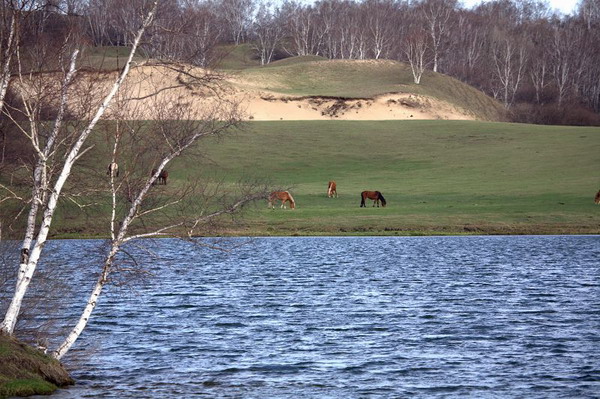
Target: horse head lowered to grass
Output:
[(331, 189), (373, 195), (283, 196)]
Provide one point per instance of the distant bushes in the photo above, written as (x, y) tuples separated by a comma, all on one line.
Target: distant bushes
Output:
[(552, 114)]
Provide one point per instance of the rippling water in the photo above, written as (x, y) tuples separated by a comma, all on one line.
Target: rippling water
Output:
[(351, 318)]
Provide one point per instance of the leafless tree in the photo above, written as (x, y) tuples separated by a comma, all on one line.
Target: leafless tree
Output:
[(380, 16), (12, 17), (268, 33), (437, 14), (174, 132), (45, 190), (302, 29), (589, 10), (414, 46), (237, 15), (509, 56), (187, 32), (564, 43)]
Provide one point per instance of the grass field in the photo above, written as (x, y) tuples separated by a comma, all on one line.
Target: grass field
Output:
[(438, 176)]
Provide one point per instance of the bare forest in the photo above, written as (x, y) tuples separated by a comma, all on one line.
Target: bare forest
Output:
[(541, 65)]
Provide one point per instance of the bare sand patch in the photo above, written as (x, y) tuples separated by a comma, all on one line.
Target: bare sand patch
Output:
[(157, 91)]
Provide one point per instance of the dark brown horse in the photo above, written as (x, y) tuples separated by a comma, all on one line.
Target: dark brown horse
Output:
[(283, 196), (597, 198), (162, 177), (373, 195), (331, 189)]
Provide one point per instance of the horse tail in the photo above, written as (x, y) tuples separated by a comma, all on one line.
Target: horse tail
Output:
[(597, 198), (292, 202), (383, 201), (362, 199)]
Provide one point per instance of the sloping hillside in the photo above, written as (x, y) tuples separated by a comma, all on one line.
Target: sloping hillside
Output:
[(352, 89), (297, 88)]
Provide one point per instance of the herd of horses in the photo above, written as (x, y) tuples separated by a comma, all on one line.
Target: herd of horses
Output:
[(285, 197)]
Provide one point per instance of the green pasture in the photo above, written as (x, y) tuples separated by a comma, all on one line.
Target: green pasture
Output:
[(437, 176)]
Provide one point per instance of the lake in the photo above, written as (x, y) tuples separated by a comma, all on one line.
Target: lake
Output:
[(344, 317)]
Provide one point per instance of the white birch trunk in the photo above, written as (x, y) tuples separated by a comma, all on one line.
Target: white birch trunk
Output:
[(89, 307), (5, 77), (14, 308)]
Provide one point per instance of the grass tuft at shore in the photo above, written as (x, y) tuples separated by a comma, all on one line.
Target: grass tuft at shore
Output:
[(25, 371)]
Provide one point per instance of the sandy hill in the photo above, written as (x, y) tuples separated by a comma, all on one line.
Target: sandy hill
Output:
[(297, 88)]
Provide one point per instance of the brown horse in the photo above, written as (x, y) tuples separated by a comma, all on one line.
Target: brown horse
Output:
[(162, 177), (283, 196), (113, 170), (375, 196), (331, 189), (597, 198)]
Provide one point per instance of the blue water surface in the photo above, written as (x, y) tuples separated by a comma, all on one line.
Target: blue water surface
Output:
[(339, 317)]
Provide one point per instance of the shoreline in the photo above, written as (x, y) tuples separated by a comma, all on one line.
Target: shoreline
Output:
[(439, 231)]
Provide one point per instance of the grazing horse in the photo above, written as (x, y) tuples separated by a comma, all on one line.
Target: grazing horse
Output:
[(113, 170), (374, 195), (283, 196), (162, 177), (597, 198), (331, 189)]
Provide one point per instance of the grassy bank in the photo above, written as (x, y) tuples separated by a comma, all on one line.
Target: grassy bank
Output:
[(25, 371), (439, 177)]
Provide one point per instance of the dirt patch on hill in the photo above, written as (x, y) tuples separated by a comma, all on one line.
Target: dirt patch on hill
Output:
[(270, 106), (160, 92)]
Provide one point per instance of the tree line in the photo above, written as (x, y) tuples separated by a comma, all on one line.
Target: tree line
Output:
[(543, 66)]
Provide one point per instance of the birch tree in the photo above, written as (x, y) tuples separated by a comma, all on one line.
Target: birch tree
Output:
[(564, 60), (268, 32), (380, 16), (413, 45), (437, 14), (168, 144), (46, 192), (509, 56), (12, 14)]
